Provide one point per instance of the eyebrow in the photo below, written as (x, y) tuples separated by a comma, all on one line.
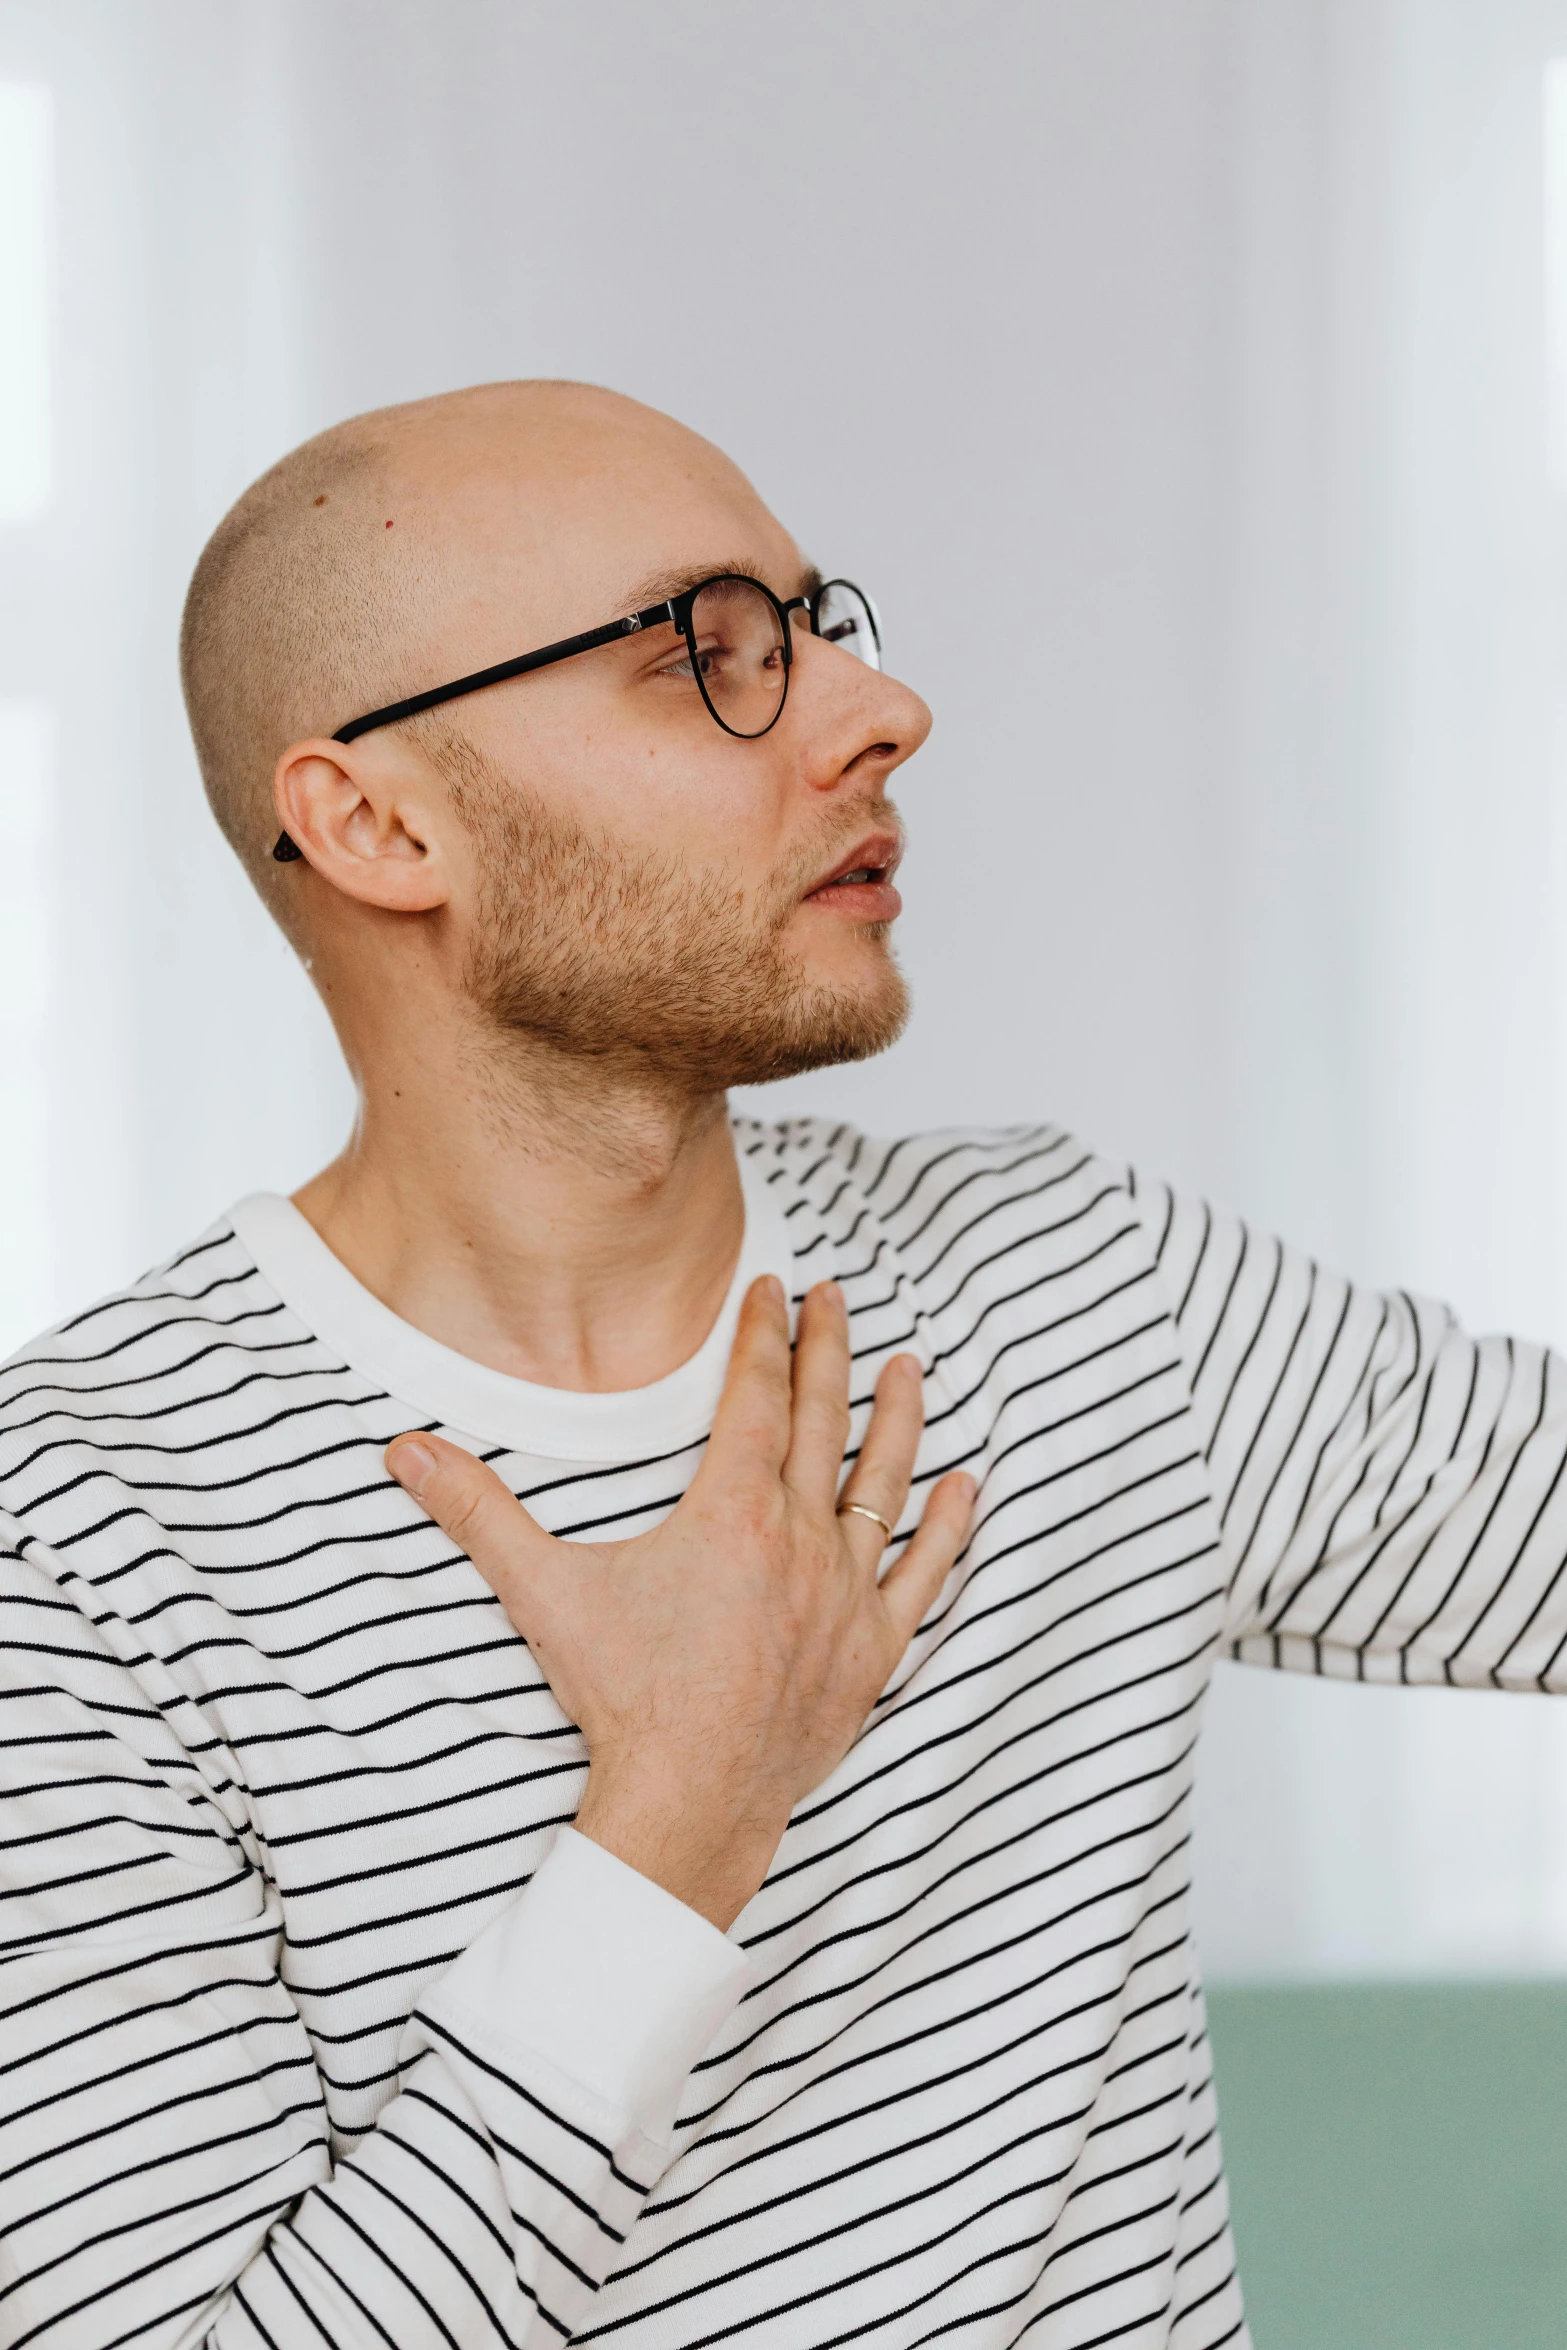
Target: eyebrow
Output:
[(659, 586)]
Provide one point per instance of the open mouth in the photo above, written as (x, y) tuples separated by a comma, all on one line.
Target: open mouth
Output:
[(868, 865)]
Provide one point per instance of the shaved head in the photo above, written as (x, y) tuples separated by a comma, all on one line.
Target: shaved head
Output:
[(330, 588)]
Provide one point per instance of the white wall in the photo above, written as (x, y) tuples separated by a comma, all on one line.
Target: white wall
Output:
[(1171, 372)]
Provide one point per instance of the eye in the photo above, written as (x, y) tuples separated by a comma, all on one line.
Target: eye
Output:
[(676, 663), (710, 657)]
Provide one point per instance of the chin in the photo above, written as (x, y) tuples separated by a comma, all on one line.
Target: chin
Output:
[(821, 1024), (860, 962)]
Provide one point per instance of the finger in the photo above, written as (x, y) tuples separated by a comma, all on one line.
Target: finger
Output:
[(751, 1424), (468, 1501), (879, 1479), (820, 1387), (910, 1589)]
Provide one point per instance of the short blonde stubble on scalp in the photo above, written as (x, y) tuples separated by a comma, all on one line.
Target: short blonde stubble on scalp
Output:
[(317, 596)]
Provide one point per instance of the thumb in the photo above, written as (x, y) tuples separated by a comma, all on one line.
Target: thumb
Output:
[(468, 1501)]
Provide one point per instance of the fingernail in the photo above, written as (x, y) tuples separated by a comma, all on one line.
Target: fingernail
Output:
[(413, 1465), (772, 1288), (969, 1484), (832, 1292)]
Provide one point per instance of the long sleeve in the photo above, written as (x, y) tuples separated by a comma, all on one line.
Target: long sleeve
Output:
[(1392, 1493), (164, 2153)]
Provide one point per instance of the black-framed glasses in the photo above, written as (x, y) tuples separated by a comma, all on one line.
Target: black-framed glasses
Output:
[(738, 634)]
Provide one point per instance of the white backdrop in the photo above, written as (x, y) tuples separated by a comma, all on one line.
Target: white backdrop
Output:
[(1173, 371)]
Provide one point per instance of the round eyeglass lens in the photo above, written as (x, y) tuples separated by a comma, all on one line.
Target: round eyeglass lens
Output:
[(844, 617), (741, 660)]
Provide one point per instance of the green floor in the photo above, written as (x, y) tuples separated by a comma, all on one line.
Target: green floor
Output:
[(1398, 2163)]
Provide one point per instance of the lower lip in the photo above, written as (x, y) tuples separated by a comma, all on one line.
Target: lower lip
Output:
[(862, 901)]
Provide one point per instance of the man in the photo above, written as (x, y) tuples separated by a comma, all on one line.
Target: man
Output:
[(356, 1553)]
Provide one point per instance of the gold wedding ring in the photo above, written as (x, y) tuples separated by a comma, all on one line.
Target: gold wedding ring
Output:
[(860, 1511)]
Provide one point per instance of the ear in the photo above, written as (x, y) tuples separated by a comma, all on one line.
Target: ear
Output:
[(366, 821)]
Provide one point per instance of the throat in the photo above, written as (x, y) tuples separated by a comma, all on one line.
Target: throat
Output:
[(536, 1263)]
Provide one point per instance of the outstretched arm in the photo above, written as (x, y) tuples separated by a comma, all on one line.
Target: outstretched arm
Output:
[(1392, 1492)]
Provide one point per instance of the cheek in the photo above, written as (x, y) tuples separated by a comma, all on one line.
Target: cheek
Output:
[(715, 817), (686, 795)]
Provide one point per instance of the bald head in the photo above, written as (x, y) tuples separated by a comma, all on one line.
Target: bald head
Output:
[(398, 549)]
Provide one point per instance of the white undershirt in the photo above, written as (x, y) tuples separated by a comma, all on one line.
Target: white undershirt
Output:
[(543, 1423)]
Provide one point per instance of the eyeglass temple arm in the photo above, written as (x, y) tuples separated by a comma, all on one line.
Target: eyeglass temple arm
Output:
[(650, 617), (286, 852)]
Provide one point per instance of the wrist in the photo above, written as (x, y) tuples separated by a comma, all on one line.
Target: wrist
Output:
[(712, 1857)]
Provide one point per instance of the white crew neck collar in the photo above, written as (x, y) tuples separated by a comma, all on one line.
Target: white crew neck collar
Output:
[(437, 1383)]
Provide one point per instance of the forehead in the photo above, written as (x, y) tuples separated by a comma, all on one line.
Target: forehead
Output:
[(562, 528)]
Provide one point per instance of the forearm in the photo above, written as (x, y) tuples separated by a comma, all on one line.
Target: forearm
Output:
[(177, 2186)]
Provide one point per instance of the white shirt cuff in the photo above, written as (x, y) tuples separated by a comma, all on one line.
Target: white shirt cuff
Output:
[(605, 1975)]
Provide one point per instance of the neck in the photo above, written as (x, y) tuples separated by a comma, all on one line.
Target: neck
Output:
[(549, 1219)]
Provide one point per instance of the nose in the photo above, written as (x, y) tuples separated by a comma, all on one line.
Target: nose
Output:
[(851, 717)]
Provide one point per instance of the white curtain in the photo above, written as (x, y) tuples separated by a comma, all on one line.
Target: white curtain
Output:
[(1174, 372)]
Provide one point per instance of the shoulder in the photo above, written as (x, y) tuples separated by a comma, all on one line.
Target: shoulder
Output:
[(131, 1353), (911, 1181), (958, 1192), (1017, 1261)]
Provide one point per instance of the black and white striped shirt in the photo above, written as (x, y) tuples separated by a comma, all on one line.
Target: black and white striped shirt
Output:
[(319, 2027)]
